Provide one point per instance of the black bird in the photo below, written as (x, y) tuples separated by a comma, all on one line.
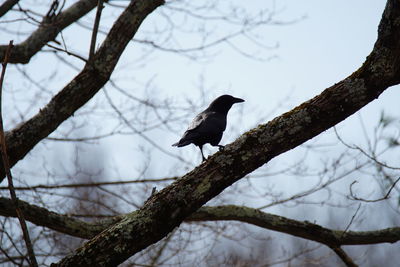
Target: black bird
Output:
[(209, 125)]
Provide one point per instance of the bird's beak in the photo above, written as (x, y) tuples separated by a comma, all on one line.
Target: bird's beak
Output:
[(238, 100)]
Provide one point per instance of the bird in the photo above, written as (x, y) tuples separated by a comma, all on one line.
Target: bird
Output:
[(209, 125)]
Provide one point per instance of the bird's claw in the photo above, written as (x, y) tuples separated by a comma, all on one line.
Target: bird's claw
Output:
[(221, 148)]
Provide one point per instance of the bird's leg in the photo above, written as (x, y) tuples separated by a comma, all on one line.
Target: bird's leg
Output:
[(221, 147), (202, 155)]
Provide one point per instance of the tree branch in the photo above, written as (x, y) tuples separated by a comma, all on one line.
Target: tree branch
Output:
[(344, 257), (6, 6), (386, 196), (23, 52), (168, 208), (314, 232), (310, 231), (306, 230), (60, 186), (31, 254), (83, 87), (57, 222), (95, 29)]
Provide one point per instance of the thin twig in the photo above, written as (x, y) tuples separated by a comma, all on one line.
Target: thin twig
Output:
[(362, 151), (160, 250), (6, 164), (95, 28), (352, 195), (344, 257), (351, 221), (68, 52), (83, 139), (59, 186), (52, 11)]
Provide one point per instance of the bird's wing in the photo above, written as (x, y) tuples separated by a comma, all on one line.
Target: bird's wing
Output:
[(208, 119), (200, 118), (208, 122), (191, 133), (204, 125)]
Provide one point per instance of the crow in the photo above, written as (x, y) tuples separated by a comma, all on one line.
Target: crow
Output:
[(209, 125)]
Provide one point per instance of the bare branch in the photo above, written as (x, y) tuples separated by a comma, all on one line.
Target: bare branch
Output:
[(6, 6), (371, 157), (47, 32), (306, 230), (344, 257), (84, 86), (61, 223), (68, 52), (100, 7), (52, 11), (6, 165), (386, 196), (331, 238), (59, 186), (352, 219)]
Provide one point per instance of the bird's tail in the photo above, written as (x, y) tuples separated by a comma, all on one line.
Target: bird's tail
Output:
[(181, 143)]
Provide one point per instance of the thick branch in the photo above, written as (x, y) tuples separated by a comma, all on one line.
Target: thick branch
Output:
[(306, 230), (168, 208), (6, 6), (60, 223), (84, 86), (331, 238), (74, 227), (48, 31)]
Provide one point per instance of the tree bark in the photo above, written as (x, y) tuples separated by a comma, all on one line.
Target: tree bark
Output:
[(6, 6), (168, 208), (306, 230), (311, 231), (57, 222)]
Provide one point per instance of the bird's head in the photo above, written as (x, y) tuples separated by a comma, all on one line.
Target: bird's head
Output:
[(224, 103)]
